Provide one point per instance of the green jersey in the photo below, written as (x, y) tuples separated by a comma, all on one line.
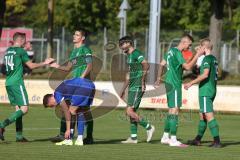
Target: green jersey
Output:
[(174, 72), (134, 61), (207, 87), (80, 57), (14, 60)]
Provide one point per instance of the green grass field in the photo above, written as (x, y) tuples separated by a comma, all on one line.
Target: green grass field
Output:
[(109, 130)]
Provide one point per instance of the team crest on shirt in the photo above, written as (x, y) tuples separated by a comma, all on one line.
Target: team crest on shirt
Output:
[(74, 61)]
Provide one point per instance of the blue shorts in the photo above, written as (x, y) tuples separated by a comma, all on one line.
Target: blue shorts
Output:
[(80, 92), (82, 97)]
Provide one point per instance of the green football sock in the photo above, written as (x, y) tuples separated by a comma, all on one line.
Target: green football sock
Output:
[(90, 128), (12, 118), (19, 128), (166, 125), (133, 128), (63, 126), (214, 128), (173, 124), (145, 124), (89, 124), (72, 125), (202, 125)]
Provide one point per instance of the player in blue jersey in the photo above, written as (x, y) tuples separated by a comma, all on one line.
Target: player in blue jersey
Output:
[(80, 93)]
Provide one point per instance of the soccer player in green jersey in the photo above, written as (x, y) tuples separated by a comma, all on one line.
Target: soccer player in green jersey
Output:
[(207, 91), (80, 65), (175, 64), (135, 81), (14, 59)]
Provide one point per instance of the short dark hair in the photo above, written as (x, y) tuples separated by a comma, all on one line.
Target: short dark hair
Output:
[(46, 99), (126, 39), (209, 45), (82, 31), (188, 36), (19, 34)]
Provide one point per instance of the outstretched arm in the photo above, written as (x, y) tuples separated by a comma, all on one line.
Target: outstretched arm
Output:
[(160, 71), (188, 66), (198, 79), (32, 65), (65, 68)]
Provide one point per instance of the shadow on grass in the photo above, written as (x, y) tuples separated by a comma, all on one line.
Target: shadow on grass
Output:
[(230, 143), (5, 142), (112, 141), (41, 140)]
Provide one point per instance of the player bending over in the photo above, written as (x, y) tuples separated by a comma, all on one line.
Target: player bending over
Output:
[(79, 92), (207, 91), (80, 65), (135, 81)]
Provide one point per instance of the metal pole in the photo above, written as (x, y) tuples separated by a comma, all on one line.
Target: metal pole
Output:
[(63, 42), (238, 50), (50, 28), (154, 30), (224, 57), (104, 51), (58, 50), (121, 27), (146, 42), (121, 35), (42, 45), (135, 43), (125, 23)]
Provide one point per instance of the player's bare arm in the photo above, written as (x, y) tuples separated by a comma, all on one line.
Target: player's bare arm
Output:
[(198, 79), (65, 68), (160, 71), (125, 85), (32, 65), (87, 70), (188, 66), (145, 67), (67, 115)]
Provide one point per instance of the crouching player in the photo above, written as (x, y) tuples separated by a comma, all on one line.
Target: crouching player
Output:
[(207, 91), (80, 93)]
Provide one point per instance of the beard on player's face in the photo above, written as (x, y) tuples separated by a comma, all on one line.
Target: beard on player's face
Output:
[(125, 48)]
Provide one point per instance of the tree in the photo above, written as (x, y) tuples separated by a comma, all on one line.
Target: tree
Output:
[(2, 12), (14, 12), (216, 24)]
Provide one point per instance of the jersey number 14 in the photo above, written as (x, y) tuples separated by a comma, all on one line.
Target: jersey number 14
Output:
[(9, 63)]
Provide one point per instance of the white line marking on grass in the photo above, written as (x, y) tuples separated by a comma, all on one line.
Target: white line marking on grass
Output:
[(34, 129)]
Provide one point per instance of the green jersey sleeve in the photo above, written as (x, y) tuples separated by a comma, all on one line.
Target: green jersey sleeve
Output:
[(71, 55), (88, 55), (24, 56), (180, 58), (139, 57), (206, 63), (87, 51), (165, 56)]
